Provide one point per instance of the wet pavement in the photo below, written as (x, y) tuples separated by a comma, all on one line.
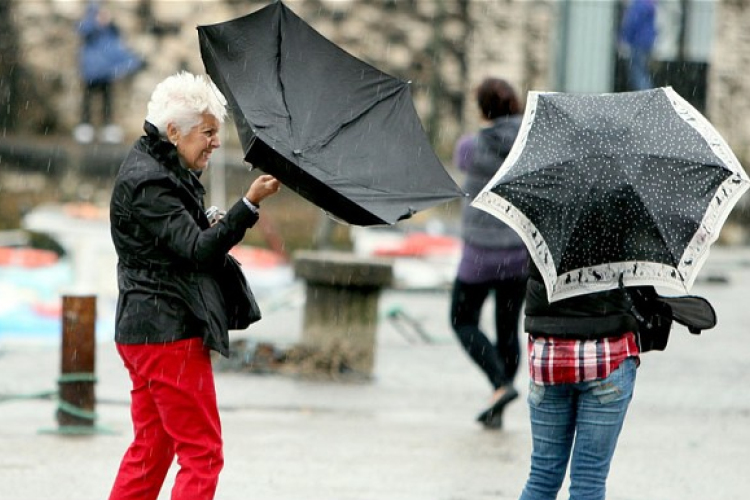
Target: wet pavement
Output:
[(409, 434)]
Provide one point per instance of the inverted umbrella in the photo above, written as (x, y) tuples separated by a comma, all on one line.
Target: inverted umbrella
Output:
[(632, 186), (338, 131)]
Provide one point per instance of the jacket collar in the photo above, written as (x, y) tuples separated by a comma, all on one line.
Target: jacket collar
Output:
[(166, 153), (163, 151)]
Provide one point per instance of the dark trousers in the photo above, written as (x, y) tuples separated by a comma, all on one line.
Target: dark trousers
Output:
[(499, 361), (103, 88)]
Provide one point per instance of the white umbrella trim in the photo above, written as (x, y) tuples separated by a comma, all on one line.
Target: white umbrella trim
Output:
[(634, 273)]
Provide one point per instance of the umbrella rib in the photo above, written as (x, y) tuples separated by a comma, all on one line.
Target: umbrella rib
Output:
[(322, 142), (656, 224), (579, 208), (290, 130), (370, 187), (644, 107), (592, 181)]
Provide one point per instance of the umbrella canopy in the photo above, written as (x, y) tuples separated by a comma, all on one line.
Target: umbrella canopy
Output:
[(632, 186), (338, 131)]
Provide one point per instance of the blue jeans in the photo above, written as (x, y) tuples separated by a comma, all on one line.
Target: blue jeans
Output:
[(585, 419), (639, 75)]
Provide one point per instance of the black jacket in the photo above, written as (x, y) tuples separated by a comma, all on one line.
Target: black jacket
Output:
[(592, 316), (167, 250)]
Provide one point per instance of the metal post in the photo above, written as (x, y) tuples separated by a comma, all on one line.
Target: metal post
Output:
[(218, 175), (77, 400)]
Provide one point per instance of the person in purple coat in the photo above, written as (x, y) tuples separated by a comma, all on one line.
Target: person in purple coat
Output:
[(494, 260)]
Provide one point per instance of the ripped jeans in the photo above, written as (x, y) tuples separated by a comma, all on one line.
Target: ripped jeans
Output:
[(579, 423)]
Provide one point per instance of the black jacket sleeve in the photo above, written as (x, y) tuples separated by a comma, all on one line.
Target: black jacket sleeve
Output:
[(160, 209)]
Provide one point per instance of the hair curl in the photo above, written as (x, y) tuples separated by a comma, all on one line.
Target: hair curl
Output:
[(181, 99)]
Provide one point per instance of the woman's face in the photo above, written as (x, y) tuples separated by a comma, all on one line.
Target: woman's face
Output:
[(195, 147)]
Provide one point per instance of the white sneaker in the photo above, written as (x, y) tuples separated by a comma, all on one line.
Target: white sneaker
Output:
[(111, 134), (83, 133)]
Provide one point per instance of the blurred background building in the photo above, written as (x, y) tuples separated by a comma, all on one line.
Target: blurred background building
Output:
[(444, 47), (57, 190)]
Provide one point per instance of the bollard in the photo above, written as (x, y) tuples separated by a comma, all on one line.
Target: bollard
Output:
[(75, 413), (341, 305)]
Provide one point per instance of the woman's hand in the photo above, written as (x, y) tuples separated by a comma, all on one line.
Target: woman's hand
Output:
[(261, 188)]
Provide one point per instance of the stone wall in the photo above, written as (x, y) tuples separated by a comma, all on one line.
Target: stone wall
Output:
[(511, 40), (729, 85), (444, 47)]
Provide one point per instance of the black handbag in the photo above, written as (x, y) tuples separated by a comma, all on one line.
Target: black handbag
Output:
[(655, 313), (239, 302)]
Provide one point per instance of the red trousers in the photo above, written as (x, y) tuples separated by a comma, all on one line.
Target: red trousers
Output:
[(174, 411)]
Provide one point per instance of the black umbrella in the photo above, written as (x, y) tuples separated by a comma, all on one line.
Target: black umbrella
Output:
[(339, 132), (633, 185)]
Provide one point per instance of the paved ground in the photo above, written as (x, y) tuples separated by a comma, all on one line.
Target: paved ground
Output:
[(409, 434)]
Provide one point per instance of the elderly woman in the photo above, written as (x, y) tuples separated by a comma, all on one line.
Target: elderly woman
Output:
[(169, 253)]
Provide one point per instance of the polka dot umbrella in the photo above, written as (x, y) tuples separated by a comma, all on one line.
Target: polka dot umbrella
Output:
[(632, 186)]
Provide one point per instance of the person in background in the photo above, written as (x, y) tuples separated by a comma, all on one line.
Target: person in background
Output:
[(103, 59), (582, 355), (494, 260), (170, 309), (637, 37)]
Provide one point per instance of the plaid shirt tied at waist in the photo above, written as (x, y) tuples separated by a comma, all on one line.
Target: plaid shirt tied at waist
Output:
[(567, 361)]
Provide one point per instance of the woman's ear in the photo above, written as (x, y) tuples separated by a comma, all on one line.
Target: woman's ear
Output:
[(173, 133)]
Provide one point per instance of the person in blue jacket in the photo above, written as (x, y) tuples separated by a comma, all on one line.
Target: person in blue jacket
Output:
[(103, 59), (637, 37)]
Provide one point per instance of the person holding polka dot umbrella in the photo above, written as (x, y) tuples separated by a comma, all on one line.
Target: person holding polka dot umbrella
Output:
[(613, 195)]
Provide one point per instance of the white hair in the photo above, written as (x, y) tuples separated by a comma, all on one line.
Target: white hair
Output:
[(181, 99)]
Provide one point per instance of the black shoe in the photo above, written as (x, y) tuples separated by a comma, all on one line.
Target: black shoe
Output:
[(492, 417), (491, 420)]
